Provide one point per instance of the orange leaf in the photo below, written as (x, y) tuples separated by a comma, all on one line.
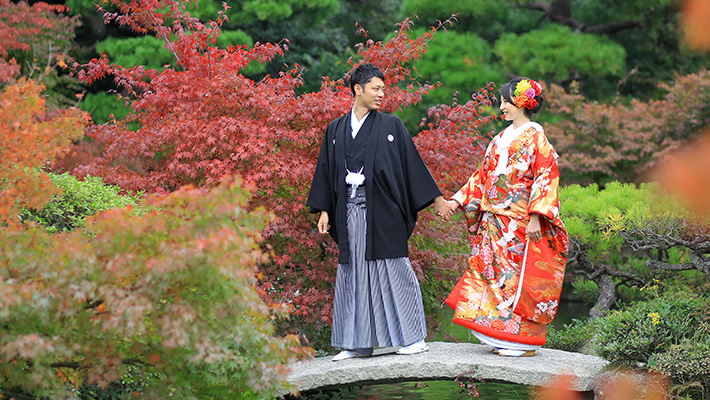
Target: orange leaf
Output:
[(696, 14), (685, 174)]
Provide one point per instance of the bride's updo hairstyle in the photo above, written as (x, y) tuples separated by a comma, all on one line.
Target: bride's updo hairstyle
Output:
[(524, 93)]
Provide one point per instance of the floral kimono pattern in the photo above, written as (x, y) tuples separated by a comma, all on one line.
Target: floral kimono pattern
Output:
[(511, 288)]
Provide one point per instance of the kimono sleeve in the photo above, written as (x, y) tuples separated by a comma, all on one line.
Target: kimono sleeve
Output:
[(321, 194), (470, 195), (421, 186), (543, 192)]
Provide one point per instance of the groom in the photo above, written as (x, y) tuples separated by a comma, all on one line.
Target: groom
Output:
[(370, 182)]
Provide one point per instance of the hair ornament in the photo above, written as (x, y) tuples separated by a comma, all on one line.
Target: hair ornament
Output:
[(525, 92)]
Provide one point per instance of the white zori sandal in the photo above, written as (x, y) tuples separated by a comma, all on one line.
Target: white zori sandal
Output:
[(414, 348)]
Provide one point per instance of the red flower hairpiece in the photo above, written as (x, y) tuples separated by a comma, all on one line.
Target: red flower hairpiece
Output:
[(525, 92)]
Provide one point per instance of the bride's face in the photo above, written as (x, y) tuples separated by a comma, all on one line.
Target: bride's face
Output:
[(510, 111)]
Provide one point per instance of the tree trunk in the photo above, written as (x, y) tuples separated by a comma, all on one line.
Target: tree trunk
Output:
[(607, 296)]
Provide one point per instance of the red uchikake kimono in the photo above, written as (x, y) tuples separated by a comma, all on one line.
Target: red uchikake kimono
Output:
[(511, 288)]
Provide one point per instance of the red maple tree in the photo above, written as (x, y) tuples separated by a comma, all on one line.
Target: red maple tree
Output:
[(204, 120), (32, 136), (25, 27), (600, 142)]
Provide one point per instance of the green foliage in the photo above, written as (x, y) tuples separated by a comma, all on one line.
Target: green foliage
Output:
[(556, 53), (151, 52), (585, 290), (644, 329), (571, 337), (147, 51), (169, 296), (238, 37), (83, 7), (650, 45), (276, 10), (588, 210), (655, 49), (488, 19), (601, 11), (206, 10), (234, 38), (78, 200), (593, 218), (669, 334), (321, 52), (462, 62), (102, 106), (688, 365)]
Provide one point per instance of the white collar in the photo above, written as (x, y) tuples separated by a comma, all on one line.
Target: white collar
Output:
[(505, 139), (355, 125), (510, 133)]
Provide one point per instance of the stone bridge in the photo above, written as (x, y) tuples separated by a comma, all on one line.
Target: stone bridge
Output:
[(445, 361)]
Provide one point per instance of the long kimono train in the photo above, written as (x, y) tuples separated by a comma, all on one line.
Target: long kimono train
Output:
[(511, 289)]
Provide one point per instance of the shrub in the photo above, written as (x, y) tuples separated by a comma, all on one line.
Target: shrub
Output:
[(571, 337), (636, 334), (688, 365), (78, 200), (171, 292)]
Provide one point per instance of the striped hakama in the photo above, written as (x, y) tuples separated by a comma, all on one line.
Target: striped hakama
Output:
[(378, 303)]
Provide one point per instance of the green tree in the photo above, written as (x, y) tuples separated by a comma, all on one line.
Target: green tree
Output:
[(462, 62), (148, 51), (596, 260), (624, 237), (648, 31), (488, 19), (557, 54)]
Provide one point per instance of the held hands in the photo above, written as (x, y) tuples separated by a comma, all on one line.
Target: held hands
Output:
[(533, 230), (445, 208), (323, 222)]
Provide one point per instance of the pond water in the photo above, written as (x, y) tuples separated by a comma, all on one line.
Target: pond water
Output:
[(437, 390), (450, 390)]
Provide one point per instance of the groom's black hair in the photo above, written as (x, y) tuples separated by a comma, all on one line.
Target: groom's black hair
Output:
[(363, 74)]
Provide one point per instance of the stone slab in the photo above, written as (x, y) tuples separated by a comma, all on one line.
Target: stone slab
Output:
[(445, 361)]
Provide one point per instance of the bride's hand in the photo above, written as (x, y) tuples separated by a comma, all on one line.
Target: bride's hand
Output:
[(533, 230)]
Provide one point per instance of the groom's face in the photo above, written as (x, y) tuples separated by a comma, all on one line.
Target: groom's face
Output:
[(371, 95)]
